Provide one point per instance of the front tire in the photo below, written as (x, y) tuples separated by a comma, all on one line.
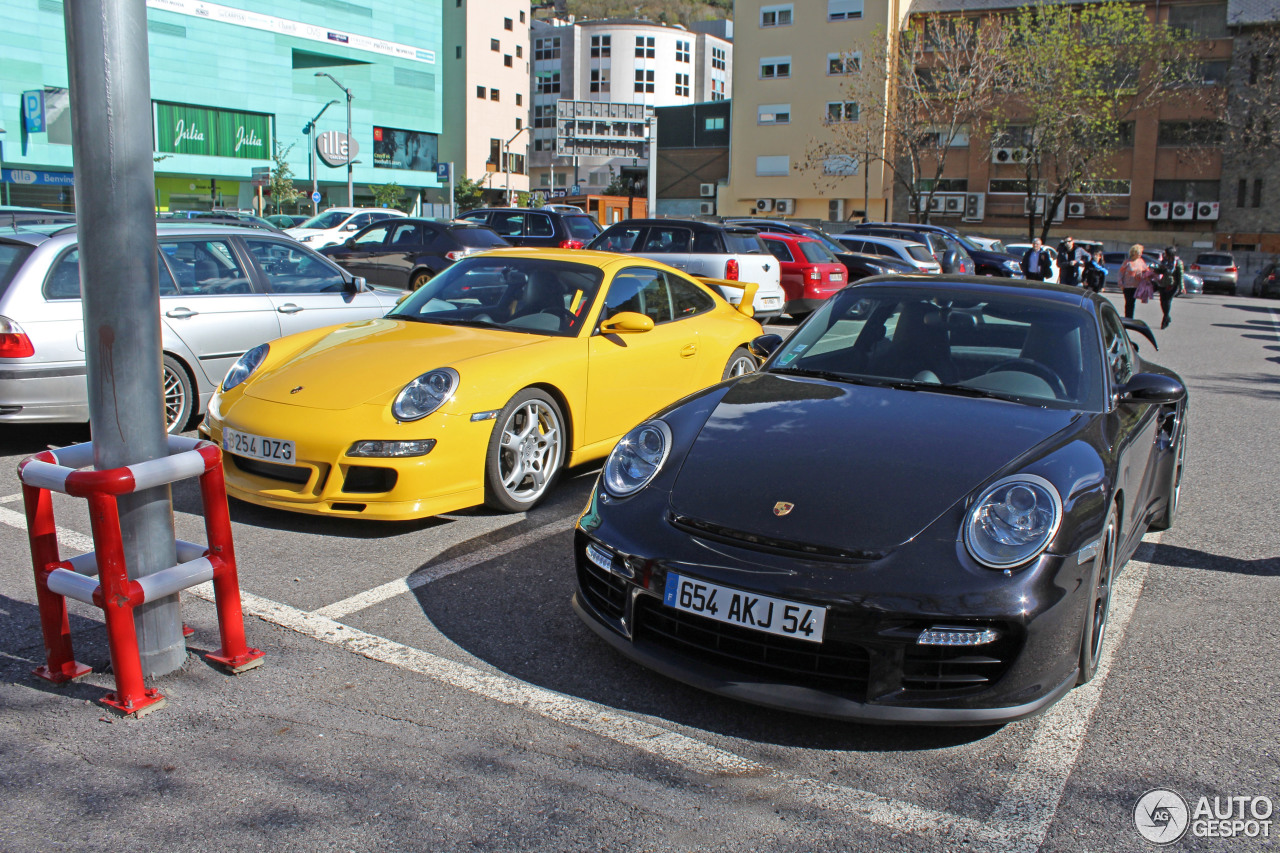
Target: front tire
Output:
[(526, 452), (1099, 609), (179, 396), (740, 363)]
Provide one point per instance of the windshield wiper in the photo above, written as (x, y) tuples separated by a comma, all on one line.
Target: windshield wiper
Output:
[(958, 390)]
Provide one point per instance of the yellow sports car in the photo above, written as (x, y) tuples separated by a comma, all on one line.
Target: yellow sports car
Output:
[(478, 388)]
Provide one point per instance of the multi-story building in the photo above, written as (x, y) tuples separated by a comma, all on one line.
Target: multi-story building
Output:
[(791, 75), (230, 84), (486, 93), (616, 61), (693, 157)]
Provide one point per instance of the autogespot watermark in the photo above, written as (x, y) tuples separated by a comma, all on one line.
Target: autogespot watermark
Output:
[(1163, 816)]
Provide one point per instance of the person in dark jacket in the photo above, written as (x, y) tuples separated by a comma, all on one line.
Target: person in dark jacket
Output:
[(1071, 262), (1170, 270), (1095, 273), (1036, 263)]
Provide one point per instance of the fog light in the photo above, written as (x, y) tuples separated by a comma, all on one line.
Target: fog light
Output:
[(384, 449), (600, 556), (942, 636)]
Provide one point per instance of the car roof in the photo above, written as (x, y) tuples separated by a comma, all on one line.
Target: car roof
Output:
[(541, 210), (692, 224), (784, 235), (883, 240), (1063, 294)]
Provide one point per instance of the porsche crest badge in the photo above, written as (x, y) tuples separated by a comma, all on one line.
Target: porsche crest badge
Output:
[(782, 508), (296, 390)]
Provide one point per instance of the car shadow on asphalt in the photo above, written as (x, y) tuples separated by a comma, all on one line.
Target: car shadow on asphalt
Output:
[(514, 613), (1256, 309), (1264, 386), (19, 439), (1189, 558)]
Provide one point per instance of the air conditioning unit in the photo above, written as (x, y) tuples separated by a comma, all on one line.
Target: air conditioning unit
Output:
[(1075, 209), (1039, 203), (912, 207), (974, 207), (935, 203), (706, 208), (835, 210), (1157, 210), (707, 190), (1207, 210), (785, 206), (1182, 211), (1009, 155), (764, 205), (953, 204)]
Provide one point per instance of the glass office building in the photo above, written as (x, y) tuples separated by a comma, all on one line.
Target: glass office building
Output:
[(230, 82)]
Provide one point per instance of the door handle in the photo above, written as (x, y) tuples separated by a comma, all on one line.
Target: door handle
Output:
[(689, 351), (180, 313), (289, 308)]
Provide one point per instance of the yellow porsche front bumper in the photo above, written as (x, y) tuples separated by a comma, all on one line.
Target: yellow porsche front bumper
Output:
[(324, 480)]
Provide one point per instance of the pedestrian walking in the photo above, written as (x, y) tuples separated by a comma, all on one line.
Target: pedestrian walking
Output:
[(1071, 262), (1095, 273), (1036, 261), (1169, 284), (1134, 274)]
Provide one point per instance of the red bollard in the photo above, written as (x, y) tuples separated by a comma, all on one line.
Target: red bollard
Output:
[(61, 665)]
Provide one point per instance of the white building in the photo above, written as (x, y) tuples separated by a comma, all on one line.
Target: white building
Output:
[(621, 61), (486, 92)]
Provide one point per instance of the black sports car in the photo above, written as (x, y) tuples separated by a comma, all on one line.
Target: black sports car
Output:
[(913, 512)]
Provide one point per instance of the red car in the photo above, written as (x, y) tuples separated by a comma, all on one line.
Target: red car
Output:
[(810, 271)]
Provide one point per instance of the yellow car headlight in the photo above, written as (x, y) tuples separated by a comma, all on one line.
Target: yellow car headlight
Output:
[(425, 394)]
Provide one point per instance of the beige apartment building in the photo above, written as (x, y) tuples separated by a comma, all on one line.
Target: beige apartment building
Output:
[(790, 76), (486, 90)]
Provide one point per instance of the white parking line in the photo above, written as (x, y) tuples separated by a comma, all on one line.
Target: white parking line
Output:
[(8, 499), (1019, 824), (391, 589), (67, 538)]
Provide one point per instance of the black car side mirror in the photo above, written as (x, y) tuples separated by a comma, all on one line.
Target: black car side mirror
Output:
[(1151, 389), (764, 346)]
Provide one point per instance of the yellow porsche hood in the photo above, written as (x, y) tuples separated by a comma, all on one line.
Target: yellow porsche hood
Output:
[(361, 362)]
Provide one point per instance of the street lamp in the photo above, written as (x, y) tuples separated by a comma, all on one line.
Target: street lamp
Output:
[(506, 162), (311, 162), (351, 196)]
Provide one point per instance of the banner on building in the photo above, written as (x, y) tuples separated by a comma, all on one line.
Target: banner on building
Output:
[(404, 149), (187, 129)]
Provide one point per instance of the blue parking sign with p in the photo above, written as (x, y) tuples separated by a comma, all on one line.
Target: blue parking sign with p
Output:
[(33, 110), (442, 171)]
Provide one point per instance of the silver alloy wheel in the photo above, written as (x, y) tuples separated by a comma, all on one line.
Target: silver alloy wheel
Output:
[(741, 366), (175, 399), (529, 453), (1102, 596)]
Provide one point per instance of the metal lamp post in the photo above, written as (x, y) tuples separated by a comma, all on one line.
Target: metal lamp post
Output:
[(351, 196), (506, 163), (6, 183), (311, 162)]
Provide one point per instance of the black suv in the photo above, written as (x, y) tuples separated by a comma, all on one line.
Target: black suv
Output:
[(521, 226), (987, 262), (404, 252)]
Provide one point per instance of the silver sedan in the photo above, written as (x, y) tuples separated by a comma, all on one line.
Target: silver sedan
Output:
[(223, 290)]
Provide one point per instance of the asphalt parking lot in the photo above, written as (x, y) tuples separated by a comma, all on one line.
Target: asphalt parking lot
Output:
[(428, 687)]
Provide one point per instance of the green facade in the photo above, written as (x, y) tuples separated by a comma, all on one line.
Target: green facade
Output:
[(240, 81)]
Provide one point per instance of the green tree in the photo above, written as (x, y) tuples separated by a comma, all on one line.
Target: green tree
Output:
[(387, 195), (282, 189), (467, 194), (1079, 77)]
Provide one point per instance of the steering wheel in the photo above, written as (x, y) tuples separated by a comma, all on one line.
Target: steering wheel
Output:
[(1035, 368), (568, 319)]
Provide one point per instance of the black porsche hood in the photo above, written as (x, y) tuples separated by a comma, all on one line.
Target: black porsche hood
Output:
[(866, 468)]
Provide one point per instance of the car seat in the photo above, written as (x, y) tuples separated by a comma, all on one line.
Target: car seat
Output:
[(919, 350)]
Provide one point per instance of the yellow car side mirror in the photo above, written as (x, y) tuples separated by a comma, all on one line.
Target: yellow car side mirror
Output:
[(404, 296), (627, 322)]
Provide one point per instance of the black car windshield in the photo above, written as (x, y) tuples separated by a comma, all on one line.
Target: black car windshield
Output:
[(483, 238), (328, 219), (817, 253), (11, 257), (528, 295), (581, 227), (1017, 347)]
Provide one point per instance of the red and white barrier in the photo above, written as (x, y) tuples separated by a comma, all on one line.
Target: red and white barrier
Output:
[(113, 591)]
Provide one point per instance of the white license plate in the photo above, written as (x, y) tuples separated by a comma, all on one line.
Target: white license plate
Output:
[(258, 447), (744, 609), (770, 302), (837, 276)]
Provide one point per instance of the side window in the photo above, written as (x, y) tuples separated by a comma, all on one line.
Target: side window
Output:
[(370, 239), (406, 234), (360, 220), (509, 224), (686, 298), (1119, 355), (291, 269), (539, 225), (168, 287), (64, 280), (779, 250), (707, 243), (482, 218), (206, 267), (641, 290), (668, 240), (619, 239)]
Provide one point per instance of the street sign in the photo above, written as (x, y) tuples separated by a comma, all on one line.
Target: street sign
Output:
[(335, 149), (576, 190), (315, 197), (33, 111), (442, 171), (260, 175)]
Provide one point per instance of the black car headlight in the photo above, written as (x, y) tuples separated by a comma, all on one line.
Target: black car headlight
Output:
[(245, 366), (1013, 521), (637, 458), (425, 394)]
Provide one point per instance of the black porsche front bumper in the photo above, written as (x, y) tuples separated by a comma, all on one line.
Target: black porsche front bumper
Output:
[(869, 666)]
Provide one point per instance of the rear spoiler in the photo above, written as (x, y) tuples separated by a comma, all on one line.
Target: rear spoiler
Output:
[(747, 304)]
